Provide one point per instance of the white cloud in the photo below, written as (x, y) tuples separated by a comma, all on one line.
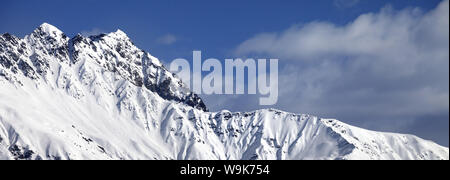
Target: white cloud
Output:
[(370, 34), (167, 39)]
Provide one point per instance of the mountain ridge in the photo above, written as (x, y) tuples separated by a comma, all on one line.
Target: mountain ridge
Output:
[(68, 50), (101, 97)]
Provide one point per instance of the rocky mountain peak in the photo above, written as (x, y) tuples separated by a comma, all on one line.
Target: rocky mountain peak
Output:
[(48, 31), (47, 51)]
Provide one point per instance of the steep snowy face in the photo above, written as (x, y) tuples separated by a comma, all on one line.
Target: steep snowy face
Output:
[(48, 52), (101, 97)]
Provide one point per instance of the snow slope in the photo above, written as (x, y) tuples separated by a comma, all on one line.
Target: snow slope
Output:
[(101, 97)]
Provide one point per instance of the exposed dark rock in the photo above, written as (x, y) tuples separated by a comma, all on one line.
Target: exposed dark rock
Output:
[(26, 69), (41, 65), (102, 149), (5, 62), (97, 37), (10, 38), (21, 153)]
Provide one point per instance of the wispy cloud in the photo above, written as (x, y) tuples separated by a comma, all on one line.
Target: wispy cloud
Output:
[(93, 31), (167, 39)]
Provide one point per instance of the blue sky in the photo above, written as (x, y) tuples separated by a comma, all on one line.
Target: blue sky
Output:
[(215, 27), (380, 65)]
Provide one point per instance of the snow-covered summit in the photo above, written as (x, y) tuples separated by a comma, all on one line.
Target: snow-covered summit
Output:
[(47, 52), (119, 34), (101, 97), (49, 29)]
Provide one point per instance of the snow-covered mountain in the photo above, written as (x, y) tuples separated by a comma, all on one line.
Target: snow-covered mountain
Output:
[(101, 97)]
